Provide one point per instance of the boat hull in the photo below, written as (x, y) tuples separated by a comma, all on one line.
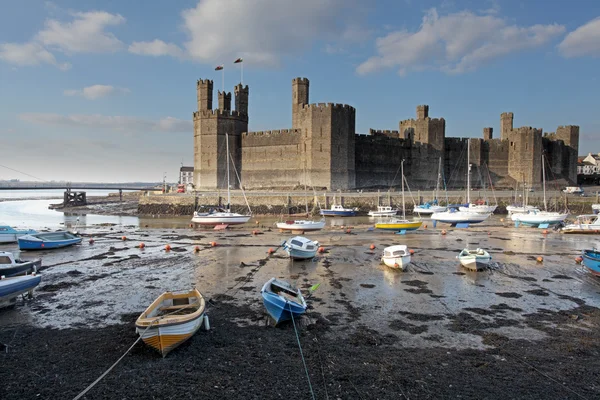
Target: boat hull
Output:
[(403, 226), (27, 244), (428, 210), (12, 237), (305, 226), (582, 229), (459, 217), (165, 338), (535, 219), (591, 260), (391, 213), (214, 220), (11, 288), (475, 263), (397, 262), (480, 209), (20, 268), (280, 309), (336, 213)]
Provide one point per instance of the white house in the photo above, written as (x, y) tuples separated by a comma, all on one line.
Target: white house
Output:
[(186, 175)]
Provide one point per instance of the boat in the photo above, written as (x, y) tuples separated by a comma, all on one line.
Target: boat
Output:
[(396, 224), (454, 217), (537, 218), (591, 260), (383, 211), (48, 240), (301, 225), (171, 319), (338, 210), (11, 288), (432, 207), (300, 248), (462, 213), (478, 207), (474, 260), (11, 266), (223, 216), (516, 209), (587, 223), (10, 235), (282, 300), (595, 208), (396, 256)]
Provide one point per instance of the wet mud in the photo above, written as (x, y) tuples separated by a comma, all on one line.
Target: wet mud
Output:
[(518, 330)]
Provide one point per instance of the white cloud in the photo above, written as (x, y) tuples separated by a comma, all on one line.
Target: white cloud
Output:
[(455, 43), (28, 54), (85, 34), (96, 91), (112, 123), (583, 41), (156, 48), (260, 31)]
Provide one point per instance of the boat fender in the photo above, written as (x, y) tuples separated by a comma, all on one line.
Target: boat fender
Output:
[(578, 259), (411, 252), (372, 247), (206, 323), (540, 259)]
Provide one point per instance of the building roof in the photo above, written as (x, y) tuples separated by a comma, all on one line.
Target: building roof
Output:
[(186, 169)]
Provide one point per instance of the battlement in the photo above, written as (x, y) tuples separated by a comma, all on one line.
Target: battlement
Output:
[(300, 80), (422, 111), (204, 82), (219, 113), (385, 132), (326, 106), (507, 115), (277, 132), (240, 87)]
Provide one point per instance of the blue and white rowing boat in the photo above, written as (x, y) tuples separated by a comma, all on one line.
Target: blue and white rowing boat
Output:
[(282, 301), (300, 248), (591, 260), (337, 210), (48, 240), (10, 235), (11, 288)]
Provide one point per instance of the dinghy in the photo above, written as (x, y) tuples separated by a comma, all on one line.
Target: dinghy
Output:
[(337, 210), (301, 225), (428, 208), (282, 300), (591, 260), (589, 223), (10, 235), (474, 260), (454, 217), (48, 240), (11, 288), (396, 256), (383, 211), (171, 319), (11, 266), (300, 248)]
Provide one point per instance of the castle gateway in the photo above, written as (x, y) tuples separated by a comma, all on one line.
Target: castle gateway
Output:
[(322, 149)]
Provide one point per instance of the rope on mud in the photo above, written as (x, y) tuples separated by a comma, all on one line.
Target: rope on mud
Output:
[(301, 353)]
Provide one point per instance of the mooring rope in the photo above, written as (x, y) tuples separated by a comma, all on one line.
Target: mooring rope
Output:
[(301, 353)]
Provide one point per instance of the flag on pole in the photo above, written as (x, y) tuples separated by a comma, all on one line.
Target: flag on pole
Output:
[(219, 67), (239, 60)]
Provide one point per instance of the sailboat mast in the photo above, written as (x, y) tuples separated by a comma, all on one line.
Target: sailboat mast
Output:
[(228, 190), (403, 208), (544, 182), (437, 186), (468, 171)]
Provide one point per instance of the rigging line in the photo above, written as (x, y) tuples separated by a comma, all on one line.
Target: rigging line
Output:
[(301, 353), (24, 173)]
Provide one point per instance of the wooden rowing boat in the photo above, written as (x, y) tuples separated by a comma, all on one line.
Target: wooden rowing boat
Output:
[(171, 319)]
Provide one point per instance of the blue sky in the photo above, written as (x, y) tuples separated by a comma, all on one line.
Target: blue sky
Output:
[(105, 90)]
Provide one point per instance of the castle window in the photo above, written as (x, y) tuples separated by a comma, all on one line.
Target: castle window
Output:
[(304, 146), (321, 148), (526, 146), (321, 131)]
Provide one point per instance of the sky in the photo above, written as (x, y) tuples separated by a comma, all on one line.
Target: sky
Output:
[(103, 91)]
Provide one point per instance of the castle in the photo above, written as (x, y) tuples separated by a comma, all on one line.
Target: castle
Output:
[(323, 150)]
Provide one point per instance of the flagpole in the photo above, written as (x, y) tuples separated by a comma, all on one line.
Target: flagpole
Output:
[(242, 73), (223, 78)]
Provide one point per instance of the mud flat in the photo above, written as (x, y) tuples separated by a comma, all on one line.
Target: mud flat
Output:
[(522, 329)]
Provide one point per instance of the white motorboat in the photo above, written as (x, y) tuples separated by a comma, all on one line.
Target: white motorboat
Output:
[(454, 217), (300, 248), (474, 260), (9, 234), (301, 225), (396, 256), (479, 208), (223, 216), (589, 223), (383, 211), (428, 209), (595, 208)]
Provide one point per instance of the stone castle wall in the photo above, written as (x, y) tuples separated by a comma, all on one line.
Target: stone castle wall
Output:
[(378, 161)]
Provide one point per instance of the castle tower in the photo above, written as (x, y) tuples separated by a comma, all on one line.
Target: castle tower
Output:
[(204, 93), (300, 97), (506, 125), (570, 136), (241, 99), (422, 112), (224, 101), (211, 127), (488, 133)]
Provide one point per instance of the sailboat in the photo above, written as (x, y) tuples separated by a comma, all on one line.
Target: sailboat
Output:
[(537, 218), (473, 207), (403, 224), (430, 208), (223, 216), (518, 209), (302, 225), (465, 215)]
